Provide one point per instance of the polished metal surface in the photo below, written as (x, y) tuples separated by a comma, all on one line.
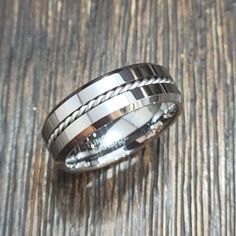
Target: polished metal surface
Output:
[(112, 117)]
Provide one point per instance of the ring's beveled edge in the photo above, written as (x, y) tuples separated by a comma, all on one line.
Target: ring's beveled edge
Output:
[(83, 126), (83, 94)]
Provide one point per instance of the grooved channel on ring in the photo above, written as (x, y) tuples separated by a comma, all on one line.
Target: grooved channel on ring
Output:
[(102, 98)]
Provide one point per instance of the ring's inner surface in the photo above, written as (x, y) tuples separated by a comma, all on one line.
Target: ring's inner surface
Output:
[(121, 136)]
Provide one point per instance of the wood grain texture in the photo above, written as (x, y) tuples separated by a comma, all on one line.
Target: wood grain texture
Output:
[(182, 184)]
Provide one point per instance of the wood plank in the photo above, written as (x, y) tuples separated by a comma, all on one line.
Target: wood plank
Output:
[(184, 183)]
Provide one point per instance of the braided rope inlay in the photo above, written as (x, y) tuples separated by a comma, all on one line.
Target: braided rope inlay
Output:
[(102, 98)]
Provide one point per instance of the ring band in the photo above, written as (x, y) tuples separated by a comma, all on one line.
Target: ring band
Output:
[(112, 117)]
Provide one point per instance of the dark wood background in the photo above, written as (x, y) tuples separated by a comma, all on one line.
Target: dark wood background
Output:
[(182, 184)]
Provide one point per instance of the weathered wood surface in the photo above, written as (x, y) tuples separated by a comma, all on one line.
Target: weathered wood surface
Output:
[(182, 184)]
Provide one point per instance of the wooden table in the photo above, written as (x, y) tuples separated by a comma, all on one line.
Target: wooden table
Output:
[(182, 184)]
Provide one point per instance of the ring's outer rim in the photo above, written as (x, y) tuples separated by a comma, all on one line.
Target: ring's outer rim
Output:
[(138, 72), (134, 69)]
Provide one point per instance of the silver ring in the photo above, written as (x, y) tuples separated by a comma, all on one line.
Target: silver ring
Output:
[(112, 117)]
